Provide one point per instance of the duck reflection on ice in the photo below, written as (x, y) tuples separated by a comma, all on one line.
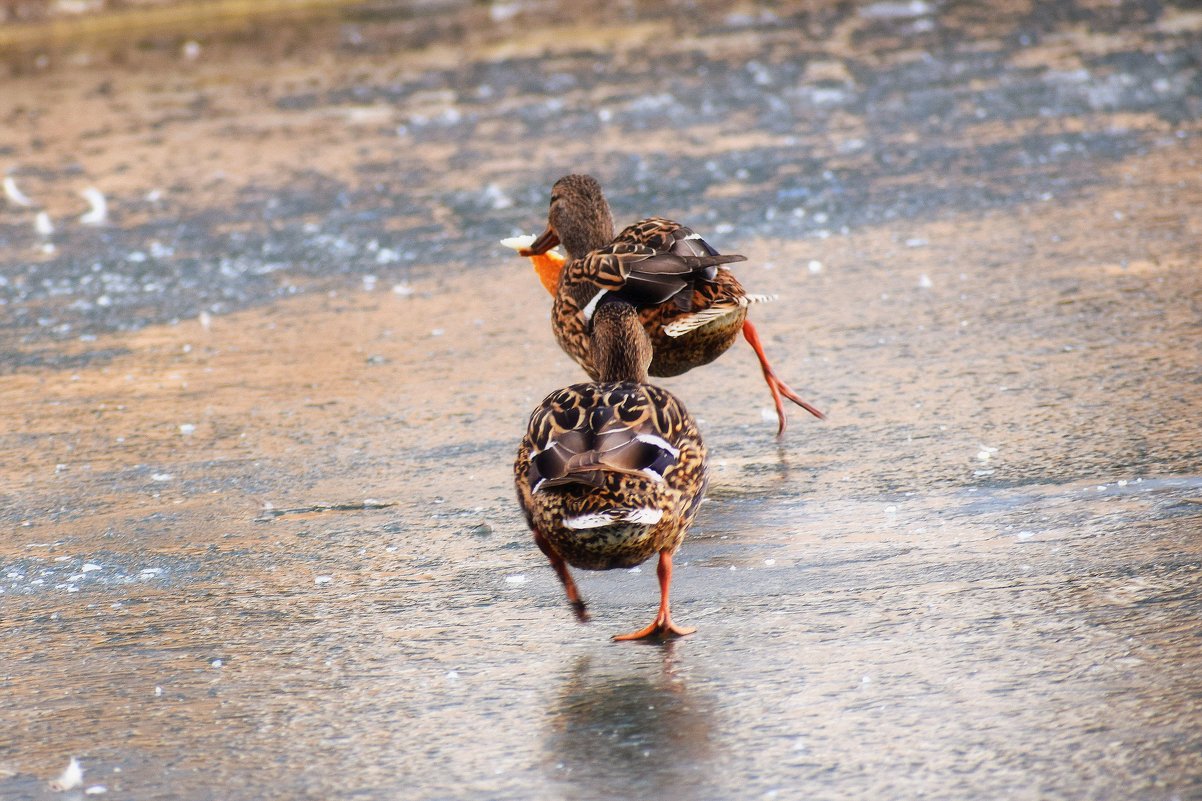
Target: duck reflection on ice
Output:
[(630, 729)]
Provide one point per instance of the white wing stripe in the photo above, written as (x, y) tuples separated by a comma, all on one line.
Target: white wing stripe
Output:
[(588, 310), (659, 442), (643, 516)]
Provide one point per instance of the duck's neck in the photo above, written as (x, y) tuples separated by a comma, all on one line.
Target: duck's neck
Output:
[(621, 350)]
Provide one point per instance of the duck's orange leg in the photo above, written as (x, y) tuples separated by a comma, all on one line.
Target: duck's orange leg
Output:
[(561, 570), (775, 385), (662, 627)]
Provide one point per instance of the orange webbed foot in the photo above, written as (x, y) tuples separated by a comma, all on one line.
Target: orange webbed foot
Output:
[(659, 629), (775, 385), (662, 628)]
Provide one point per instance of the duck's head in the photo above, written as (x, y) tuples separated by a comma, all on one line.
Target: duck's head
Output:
[(579, 218)]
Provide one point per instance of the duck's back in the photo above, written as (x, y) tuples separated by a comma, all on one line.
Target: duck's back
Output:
[(611, 473)]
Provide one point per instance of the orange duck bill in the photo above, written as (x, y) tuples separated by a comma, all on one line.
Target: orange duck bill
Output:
[(547, 240), (548, 264)]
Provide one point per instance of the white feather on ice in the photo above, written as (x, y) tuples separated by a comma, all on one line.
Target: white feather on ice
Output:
[(72, 777), (43, 224), (14, 193), (98, 214)]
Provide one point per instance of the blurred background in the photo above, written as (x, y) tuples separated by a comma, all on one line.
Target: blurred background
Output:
[(265, 366)]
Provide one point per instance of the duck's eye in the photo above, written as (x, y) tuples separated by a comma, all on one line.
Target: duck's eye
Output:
[(554, 199)]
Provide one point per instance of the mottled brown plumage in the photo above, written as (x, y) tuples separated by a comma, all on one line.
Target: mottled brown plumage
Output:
[(611, 473), (690, 304)]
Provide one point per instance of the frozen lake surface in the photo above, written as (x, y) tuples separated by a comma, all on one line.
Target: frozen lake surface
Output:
[(263, 396)]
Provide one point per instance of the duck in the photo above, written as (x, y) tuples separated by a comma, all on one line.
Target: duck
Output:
[(612, 472), (690, 303)]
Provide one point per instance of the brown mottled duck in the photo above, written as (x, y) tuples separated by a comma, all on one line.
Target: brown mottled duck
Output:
[(691, 305), (611, 473)]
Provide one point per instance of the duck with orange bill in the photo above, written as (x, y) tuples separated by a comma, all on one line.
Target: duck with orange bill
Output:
[(688, 299)]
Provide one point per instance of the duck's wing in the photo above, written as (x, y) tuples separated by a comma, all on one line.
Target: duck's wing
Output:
[(709, 302), (666, 236), (645, 277), (586, 432)]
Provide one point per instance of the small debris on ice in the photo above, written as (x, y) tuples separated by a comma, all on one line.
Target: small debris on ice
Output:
[(889, 9), (191, 50), (770, 562), (986, 453), (89, 567), (519, 578), (815, 266), (481, 529), (161, 477), (216, 663), (14, 194), (768, 415), (187, 429), (437, 332), (158, 691), (98, 214), (96, 789), (323, 579), (404, 290), (916, 242), (452, 675), (369, 283), (71, 778), (924, 281), (205, 319), (42, 224)]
